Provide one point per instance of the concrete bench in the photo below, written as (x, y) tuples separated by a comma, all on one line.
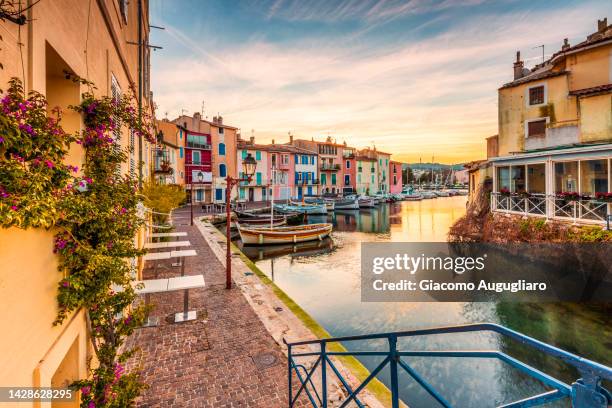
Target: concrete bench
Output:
[(170, 285), (168, 234), (170, 244)]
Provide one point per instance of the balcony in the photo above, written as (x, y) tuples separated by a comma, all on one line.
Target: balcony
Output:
[(162, 163), (575, 209), (330, 167), (196, 145), (312, 182), (348, 155)]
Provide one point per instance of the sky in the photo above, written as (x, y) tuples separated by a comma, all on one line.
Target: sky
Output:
[(415, 78)]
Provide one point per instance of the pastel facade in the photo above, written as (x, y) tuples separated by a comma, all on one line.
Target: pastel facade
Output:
[(54, 39), (258, 188), (168, 165), (395, 177), (555, 134), (223, 142), (367, 183)]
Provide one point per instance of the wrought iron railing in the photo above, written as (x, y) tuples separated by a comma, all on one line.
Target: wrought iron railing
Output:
[(585, 392), (543, 205)]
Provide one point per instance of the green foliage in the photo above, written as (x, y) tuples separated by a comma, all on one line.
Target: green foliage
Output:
[(163, 198), (591, 234)]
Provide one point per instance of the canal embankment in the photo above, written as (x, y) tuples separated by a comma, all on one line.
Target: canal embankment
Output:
[(285, 319)]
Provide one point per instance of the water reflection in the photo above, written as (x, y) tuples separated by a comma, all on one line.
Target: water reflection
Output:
[(325, 281)]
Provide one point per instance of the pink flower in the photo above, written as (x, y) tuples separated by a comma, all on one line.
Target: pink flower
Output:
[(86, 390), (1, 139), (91, 404), (14, 207), (49, 164)]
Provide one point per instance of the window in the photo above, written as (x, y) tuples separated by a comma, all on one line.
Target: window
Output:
[(221, 149), (394, 180), (196, 157), (218, 194), (258, 178), (181, 153), (323, 178), (359, 178), (348, 164), (593, 177), (333, 179), (285, 159), (304, 159), (518, 179), (503, 178), (197, 141), (536, 178), (566, 177), (536, 95), (221, 131), (273, 160), (347, 180), (536, 128), (257, 155), (222, 170)]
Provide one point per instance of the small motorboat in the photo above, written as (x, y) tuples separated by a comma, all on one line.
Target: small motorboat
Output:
[(428, 194), (314, 209), (347, 203), (366, 202), (283, 235), (412, 197), (441, 193), (329, 203)]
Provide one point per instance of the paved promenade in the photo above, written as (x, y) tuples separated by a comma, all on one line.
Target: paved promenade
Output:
[(225, 358)]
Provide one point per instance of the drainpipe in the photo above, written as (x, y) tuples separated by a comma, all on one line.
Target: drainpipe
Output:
[(140, 62)]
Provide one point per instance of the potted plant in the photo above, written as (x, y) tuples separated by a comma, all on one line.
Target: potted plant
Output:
[(606, 197)]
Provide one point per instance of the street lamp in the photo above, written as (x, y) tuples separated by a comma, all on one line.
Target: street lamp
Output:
[(248, 169)]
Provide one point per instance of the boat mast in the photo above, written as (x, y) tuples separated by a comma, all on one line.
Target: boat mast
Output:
[(272, 201)]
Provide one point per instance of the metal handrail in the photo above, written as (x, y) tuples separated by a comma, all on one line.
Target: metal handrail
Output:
[(585, 392)]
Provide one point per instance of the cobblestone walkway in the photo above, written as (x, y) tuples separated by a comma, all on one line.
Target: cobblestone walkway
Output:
[(212, 361)]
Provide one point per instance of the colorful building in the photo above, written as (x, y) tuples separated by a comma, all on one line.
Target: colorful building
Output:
[(349, 170), (223, 140), (258, 188), (169, 154), (198, 166), (379, 170), (554, 145), (366, 175), (395, 177)]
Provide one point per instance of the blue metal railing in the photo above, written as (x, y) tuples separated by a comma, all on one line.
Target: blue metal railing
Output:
[(586, 392)]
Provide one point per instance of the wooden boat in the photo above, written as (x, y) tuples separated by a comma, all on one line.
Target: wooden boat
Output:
[(367, 202), (262, 222), (347, 203), (330, 204), (292, 218), (283, 235), (314, 209)]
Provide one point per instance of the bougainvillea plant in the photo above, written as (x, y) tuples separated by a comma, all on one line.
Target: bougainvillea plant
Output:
[(96, 215), (103, 222), (33, 176)]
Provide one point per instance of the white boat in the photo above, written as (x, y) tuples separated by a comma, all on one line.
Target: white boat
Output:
[(283, 235), (347, 203), (428, 194), (412, 197), (314, 209), (318, 201), (441, 193), (366, 202)]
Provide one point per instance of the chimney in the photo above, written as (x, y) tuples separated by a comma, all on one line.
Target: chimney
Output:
[(566, 45), (196, 116), (518, 66), (252, 140), (602, 25), (273, 141), (220, 119)]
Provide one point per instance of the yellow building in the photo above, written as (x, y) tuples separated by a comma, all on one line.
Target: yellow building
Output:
[(379, 177), (555, 133), (97, 41), (367, 176)]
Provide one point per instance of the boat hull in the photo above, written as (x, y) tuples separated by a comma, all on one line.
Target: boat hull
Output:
[(283, 235), (347, 204)]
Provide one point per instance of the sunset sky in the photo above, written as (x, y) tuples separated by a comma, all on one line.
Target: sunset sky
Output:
[(416, 78)]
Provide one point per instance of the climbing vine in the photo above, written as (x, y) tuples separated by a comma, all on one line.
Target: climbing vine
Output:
[(95, 210)]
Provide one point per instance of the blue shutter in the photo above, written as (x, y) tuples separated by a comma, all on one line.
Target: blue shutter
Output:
[(244, 154), (296, 177), (296, 159), (221, 149), (257, 155)]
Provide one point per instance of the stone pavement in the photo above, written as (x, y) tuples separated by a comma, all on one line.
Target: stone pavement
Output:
[(225, 358)]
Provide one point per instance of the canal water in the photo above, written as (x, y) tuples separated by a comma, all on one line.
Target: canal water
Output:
[(324, 279)]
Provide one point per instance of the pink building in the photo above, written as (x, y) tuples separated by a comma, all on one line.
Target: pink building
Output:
[(395, 177)]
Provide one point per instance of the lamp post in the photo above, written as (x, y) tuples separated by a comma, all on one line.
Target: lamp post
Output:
[(248, 169)]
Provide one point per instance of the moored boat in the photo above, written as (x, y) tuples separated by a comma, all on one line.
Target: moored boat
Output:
[(412, 197), (314, 209), (347, 203), (367, 202), (283, 235)]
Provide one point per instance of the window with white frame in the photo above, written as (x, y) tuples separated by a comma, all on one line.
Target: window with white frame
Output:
[(537, 95)]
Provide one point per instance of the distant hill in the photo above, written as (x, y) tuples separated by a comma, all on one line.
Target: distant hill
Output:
[(435, 166)]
